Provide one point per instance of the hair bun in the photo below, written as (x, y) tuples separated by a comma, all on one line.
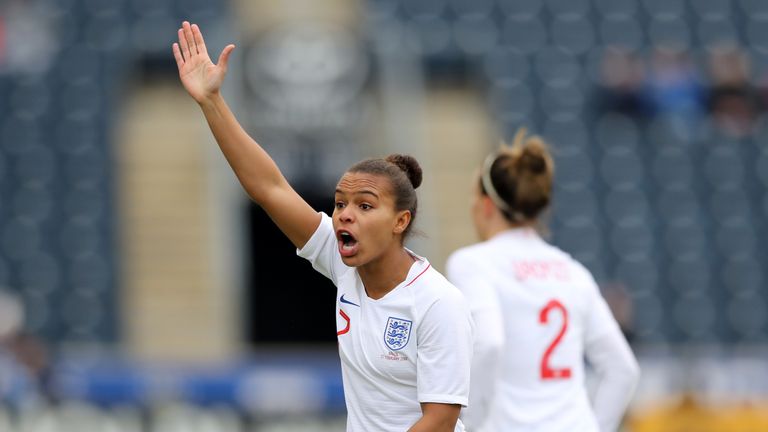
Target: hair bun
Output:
[(409, 165), (533, 157)]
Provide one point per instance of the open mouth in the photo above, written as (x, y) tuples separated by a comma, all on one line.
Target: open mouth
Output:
[(347, 243)]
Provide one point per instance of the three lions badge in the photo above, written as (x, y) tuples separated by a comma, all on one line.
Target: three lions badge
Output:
[(397, 333)]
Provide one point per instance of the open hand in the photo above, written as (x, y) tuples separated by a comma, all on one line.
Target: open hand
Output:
[(200, 77)]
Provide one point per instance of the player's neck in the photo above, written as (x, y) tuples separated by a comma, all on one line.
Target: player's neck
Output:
[(500, 225), (383, 274)]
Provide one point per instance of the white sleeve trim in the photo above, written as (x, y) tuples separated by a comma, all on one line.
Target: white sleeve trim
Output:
[(443, 399), (313, 241)]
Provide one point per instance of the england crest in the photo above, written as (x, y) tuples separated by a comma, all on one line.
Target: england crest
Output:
[(397, 333)]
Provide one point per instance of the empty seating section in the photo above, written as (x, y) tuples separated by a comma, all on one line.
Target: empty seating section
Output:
[(58, 218)]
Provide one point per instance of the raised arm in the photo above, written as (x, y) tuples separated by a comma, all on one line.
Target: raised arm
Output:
[(257, 172)]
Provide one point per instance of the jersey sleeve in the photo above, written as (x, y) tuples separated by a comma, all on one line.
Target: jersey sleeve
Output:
[(484, 307), (444, 352), (322, 250), (617, 376)]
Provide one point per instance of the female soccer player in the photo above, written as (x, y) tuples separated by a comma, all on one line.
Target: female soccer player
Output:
[(549, 306), (404, 333)]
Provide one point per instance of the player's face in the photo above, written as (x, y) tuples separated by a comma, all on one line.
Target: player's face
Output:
[(364, 218)]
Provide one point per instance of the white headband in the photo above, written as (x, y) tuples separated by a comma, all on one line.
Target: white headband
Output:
[(490, 190)]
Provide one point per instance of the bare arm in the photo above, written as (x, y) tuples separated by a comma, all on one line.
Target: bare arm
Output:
[(257, 172), (437, 417)]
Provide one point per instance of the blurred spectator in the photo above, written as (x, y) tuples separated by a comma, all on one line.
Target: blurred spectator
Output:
[(622, 75), (674, 89), (733, 102), (27, 39), (620, 303), (23, 359)]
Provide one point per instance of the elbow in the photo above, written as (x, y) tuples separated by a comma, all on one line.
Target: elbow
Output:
[(633, 371), (631, 367), (264, 193), (627, 373)]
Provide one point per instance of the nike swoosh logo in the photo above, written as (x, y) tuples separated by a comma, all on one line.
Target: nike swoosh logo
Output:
[(343, 300)]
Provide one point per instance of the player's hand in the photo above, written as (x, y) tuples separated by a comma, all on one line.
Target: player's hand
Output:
[(200, 77)]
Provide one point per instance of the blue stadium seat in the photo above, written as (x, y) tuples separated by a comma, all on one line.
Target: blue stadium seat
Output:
[(712, 9), (670, 33), (695, 316), (620, 167), (649, 324), (526, 35), (626, 204), (574, 167), (617, 130), (747, 316), (630, 238), (617, 9), (79, 238), (521, 9), (556, 68), (639, 273), (512, 101), (20, 239), (35, 165), (507, 66), (743, 274), (672, 167), (433, 33), (570, 9), (575, 204), (623, 32), (689, 272), (714, 33), (85, 168), (684, 237), (475, 8), (754, 8), (40, 272), (575, 36), (86, 202), (425, 9), (665, 9), (566, 134), (475, 34), (32, 202), (562, 100), (89, 273)]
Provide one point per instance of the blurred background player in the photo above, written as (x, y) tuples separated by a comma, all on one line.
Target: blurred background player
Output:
[(552, 312), (404, 332)]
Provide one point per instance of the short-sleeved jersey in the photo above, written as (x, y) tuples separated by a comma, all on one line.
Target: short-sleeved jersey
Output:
[(551, 310), (413, 345)]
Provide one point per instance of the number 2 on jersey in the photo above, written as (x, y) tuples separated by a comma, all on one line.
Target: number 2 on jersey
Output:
[(548, 372)]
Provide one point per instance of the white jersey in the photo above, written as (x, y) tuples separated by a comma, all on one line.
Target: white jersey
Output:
[(553, 314), (413, 345)]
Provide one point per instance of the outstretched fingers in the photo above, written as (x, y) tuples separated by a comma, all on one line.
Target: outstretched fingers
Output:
[(199, 41), (177, 55), (190, 39), (184, 45)]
